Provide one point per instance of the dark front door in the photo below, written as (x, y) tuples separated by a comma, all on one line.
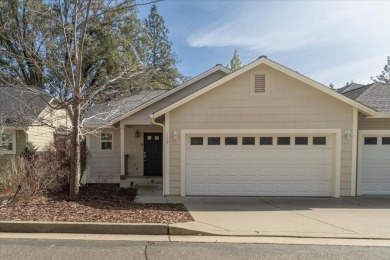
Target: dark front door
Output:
[(153, 154)]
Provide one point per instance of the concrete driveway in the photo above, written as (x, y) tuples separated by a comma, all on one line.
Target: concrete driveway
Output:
[(302, 217)]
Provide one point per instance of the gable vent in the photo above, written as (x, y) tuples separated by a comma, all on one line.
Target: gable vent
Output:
[(259, 83)]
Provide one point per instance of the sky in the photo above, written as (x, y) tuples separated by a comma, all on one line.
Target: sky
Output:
[(328, 41)]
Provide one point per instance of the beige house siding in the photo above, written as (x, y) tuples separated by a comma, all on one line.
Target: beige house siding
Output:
[(290, 104), (142, 117), (40, 136), (105, 165), (21, 139), (365, 123)]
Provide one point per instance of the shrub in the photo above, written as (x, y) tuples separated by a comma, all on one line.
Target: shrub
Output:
[(44, 172)]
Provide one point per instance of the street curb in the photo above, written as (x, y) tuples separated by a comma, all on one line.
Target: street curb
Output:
[(135, 229), (82, 227), (97, 228)]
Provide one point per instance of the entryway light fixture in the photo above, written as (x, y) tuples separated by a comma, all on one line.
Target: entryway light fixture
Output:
[(136, 134), (348, 134), (175, 136)]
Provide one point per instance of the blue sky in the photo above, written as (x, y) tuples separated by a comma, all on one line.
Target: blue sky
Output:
[(328, 41)]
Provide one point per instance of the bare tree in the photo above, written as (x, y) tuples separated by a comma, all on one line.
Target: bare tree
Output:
[(79, 53)]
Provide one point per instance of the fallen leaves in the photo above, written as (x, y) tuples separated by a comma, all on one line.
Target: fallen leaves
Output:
[(98, 203)]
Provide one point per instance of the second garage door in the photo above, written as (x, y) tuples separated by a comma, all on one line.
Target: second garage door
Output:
[(254, 165), (375, 164)]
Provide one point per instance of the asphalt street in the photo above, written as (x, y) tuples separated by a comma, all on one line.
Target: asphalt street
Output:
[(11, 248)]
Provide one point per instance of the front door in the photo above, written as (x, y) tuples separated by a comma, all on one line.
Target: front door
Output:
[(153, 154)]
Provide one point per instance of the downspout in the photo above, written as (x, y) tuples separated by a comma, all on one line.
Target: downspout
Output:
[(164, 144)]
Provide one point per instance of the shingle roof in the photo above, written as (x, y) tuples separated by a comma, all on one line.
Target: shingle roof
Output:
[(350, 87), (376, 96), (103, 113), (19, 106)]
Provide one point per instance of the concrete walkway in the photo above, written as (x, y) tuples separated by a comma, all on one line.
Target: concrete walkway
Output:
[(293, 217)]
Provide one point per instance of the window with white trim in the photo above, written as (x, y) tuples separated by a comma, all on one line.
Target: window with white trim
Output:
[(259, 83), (8, 144), (106, 141)]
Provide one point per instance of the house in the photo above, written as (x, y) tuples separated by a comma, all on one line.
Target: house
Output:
[(262, 130), (19, 111), (373, 168)]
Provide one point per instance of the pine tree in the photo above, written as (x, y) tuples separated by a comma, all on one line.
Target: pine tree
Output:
[(160, 57), (235, 62), (384, 77)]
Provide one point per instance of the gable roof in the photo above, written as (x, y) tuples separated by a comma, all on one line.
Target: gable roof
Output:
[(129, 112), (375, 95), (19, 107), (264, 60), (115, 111), (349, 87), (103, 114)]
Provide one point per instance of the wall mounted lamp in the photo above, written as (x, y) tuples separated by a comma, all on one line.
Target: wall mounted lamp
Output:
[(137, 134), (175, 135), (348, 134)]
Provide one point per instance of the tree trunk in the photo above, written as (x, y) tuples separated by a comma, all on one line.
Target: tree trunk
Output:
[(75, 155)]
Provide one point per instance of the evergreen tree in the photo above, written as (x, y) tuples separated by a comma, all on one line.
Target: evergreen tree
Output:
[(384, 77), (235, 62), (160, 57)]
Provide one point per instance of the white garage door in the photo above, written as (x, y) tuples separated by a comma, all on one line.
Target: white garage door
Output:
[(254, 165), (375, 165)]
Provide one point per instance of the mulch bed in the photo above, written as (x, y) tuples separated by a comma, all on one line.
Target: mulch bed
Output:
[(98, 203)]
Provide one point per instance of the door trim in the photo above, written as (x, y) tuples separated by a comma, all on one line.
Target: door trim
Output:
[(335, 183)]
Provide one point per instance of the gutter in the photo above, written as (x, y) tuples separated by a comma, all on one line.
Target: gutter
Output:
[(164, 145)]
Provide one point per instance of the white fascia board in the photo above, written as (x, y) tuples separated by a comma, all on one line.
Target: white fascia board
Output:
[(172, 91), (380, 115), (278, 67)]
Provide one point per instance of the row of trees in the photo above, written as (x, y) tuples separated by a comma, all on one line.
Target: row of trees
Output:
[(80, 53)]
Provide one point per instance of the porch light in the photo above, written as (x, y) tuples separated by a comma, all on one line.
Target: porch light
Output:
[(348, 134), (136, 134), (175, 136)]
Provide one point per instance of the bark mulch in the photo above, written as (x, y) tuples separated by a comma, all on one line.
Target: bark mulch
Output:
[(98, 203)]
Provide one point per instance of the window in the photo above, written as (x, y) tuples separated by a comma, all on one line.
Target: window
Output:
[(385, 140), (213, 141), (7, 142), (248, 141), (370, 140), (231, 140), (196, 140), (283, 140), (106, 141), (301, 141), (319, 140), (265, 140)]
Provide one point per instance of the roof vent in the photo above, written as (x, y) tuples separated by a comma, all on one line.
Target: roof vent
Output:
[(262, 56), (218, 65), (259, 83)]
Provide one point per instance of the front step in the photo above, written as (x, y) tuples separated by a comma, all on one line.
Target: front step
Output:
[(142, 181)]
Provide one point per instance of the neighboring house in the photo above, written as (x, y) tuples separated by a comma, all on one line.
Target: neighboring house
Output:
[(373, 173), (19, 111), (263, 130)]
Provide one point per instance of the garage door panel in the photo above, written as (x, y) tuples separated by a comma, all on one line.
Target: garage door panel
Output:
[(255, 170), (375, 167)]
